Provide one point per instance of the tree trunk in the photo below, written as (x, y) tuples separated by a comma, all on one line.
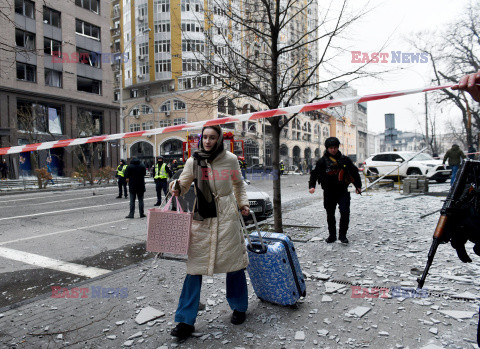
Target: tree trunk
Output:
[(277, 198)]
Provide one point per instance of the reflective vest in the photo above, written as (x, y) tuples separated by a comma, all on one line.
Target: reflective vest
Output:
[(162, 174), (121, 170), (282, 167)]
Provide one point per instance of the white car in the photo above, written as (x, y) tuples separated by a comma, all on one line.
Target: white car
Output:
[(259, 201), (422, 164)]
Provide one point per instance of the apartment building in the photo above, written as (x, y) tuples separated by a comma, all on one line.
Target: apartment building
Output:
[(166, 44), (56, 81)]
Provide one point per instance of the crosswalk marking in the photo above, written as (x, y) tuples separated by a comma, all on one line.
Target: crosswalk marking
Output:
[(51, 263)]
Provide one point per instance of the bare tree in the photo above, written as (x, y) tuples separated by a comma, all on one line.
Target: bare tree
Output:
[(87, 126), (272, 52), (455, 54)]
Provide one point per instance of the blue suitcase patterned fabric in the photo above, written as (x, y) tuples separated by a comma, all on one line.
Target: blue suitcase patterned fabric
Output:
[(275, 274)]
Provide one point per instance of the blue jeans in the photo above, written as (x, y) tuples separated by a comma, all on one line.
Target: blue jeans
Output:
[(237, 296), (454, 173)]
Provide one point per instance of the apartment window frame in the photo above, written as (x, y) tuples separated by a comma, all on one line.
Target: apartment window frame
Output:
[(22, 6), (26, 72), (162, 26), (52, 71), (162, 46), (25, 35), (87, 28), (143, 49), (161, 6), (165, 123), (179, 105), (87, 5), (166, 107), (134, 127), (147, 125), (48, 17), (162, 66), (179, 121), (98, 85), (91, 58), (54, 47)]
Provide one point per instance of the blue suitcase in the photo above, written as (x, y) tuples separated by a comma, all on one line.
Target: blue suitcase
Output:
[(274, 269)]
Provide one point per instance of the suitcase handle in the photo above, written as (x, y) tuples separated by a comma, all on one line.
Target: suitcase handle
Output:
[(244, 228)]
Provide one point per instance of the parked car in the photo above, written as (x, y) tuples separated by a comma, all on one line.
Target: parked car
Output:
[(259, 201), (422, 164)]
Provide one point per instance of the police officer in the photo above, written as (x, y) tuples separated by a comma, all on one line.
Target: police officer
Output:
[(282, 168), (335, 172), (243, 166), (121, 180), (161, 174)]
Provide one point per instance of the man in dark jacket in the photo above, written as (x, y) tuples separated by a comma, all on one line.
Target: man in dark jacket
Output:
[(454, 156), (335, 172), (135, 175), (471, 152)]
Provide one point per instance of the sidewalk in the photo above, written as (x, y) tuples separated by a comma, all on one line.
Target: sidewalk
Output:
[(388, 246)]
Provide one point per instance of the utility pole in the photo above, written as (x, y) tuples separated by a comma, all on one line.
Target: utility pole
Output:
[(426, 122)]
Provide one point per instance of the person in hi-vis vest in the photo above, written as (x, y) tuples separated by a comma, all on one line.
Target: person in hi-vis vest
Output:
[(122, 182), (161, 173)]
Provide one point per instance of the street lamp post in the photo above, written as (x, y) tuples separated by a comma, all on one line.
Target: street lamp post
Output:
[(122, 117)]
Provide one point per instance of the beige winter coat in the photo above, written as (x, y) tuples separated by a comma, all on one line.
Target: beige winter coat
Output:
[(217, 244)]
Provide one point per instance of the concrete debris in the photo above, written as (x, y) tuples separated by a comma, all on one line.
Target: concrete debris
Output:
[(322, 333), (112, 337), (148, 314), (433, 330), (299, 336), (431, 346), (128, 343), (458, 314), (136, 335), (326, 298), (321, 276), (358, 311), (383, 333), (331, 287)]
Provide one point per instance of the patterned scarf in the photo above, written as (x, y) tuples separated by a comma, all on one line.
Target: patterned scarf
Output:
[(205, 203)]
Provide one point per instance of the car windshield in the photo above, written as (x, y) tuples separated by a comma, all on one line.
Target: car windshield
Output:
[(418, 157)]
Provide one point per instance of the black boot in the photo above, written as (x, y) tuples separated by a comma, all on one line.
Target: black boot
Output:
[(182, 330), (238, 317), (330, 239), (343, 238)]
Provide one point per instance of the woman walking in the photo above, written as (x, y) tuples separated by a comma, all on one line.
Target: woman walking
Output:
[(216, 243)]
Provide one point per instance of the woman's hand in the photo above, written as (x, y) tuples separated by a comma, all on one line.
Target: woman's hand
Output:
[(311, 190), (176, 188), (245, 210)]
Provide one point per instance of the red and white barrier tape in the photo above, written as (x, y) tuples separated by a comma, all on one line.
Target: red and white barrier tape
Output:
[(195, 125)]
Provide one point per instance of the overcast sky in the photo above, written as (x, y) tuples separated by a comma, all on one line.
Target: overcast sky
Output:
[(392, 21)]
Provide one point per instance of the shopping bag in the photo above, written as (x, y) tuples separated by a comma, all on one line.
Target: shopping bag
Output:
[(168, 231)]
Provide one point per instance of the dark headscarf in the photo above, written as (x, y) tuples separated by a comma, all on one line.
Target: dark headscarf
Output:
[(205, 202)]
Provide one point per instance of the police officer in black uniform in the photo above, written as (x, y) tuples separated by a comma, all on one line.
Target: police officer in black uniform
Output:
[(335, 172)]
